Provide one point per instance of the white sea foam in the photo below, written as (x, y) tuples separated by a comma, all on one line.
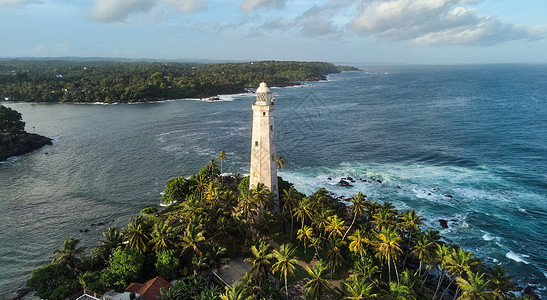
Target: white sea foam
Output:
[(516, 257)]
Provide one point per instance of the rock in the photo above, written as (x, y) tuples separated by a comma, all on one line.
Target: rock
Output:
[(529, 290), (344, 183), (24, 143), (20, 292), (448, 195), (443, 223), (429, 194), (86, 230), (398, 187), (328, 178), (378, 180)]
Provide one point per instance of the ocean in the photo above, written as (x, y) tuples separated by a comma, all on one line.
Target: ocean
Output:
[(467, 144)]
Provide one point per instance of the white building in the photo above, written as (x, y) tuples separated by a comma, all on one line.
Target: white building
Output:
[(263, 164)]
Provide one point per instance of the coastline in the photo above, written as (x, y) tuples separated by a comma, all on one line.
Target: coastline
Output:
[(23, 144)]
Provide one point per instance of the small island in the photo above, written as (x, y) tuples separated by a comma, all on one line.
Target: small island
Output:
[(14, 140)]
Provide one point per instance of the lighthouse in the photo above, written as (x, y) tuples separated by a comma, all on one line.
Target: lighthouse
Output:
[(263, 164)]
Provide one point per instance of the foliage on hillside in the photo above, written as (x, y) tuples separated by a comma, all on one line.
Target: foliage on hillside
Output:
[(375, 250), (64, 81)]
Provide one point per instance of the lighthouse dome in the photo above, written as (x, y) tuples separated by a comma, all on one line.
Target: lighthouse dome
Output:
[(263, 88)]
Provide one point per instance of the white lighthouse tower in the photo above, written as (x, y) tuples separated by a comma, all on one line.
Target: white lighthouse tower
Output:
[(263, 164)]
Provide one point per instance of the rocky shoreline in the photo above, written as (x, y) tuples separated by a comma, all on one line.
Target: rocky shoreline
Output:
[(24, 143)]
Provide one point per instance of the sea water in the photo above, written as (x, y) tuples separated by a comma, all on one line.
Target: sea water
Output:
[(467, 144)]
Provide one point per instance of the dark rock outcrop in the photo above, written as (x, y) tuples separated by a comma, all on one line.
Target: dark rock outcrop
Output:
[(24, 143), (342, 182), (443, 223)]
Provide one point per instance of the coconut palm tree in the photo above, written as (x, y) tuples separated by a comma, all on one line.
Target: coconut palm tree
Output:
[(302, 212), (365, 268), (261, 259), (201, 186), (317, 284), (162, 237), (441, 254), (384, 217), (457, 263), (410, 222), (68, 255), (334, 255), (221, 157), (321, 220), (305, 234), (358, 242), (476, 287), (290, 199), (263, 197), (285, 263), (238, 291), (357, 206), (280, 162), (500, 282), (247, 206), (136, 234), (359, 290), (193, 240), (423, 250), (397, 291), (335, 227), (112, 239), (389, 248)]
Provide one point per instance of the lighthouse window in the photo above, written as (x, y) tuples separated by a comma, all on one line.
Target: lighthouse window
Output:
[(271, 127), (256, 143), (264, 113)]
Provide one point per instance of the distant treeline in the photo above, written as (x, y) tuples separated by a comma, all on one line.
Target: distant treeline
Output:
[(102, 81)]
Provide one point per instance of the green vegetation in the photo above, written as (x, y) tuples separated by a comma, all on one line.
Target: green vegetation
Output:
[(96, 81), (11, 122), (360, 251)]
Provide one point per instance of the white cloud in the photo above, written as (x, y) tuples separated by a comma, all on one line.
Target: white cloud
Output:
[(188, 6), (436, 22), (119, 10), (251, 5), (16, 3)]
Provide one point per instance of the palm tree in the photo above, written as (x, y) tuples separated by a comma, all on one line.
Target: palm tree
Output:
[(359, 289), (261, 259), (389, 248), (358, 242), (357, 206), (201, 186), (423, 250), (112, 239), (247, 206), (383, 218), (305, 234), (285, 263), (280, 162), (193, 239), (317, 284), (290, 199), (321, 220), (441, 254), (334, 255), (136, 234), (221, 157), (457, 263), (365, 268), (162, 236), (397, 291), (410, 222), (500, 282), (238, 291), (263, 197), (476, 287), (335, 226), (68, 255), (302, 212)]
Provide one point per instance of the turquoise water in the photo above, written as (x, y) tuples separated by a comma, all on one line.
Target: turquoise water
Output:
[(477, 133)]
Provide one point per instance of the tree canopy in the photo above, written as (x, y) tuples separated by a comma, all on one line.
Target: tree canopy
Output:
[(100, 81), (11, 121)]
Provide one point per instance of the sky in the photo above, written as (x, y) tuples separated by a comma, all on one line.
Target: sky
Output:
[(356, 31)]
